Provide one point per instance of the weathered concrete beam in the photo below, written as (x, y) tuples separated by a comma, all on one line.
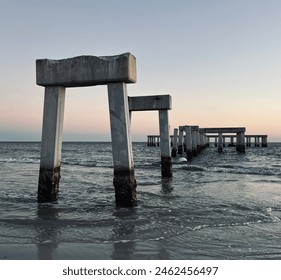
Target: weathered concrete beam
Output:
[(147, 103), (86, 70), (222, 130)]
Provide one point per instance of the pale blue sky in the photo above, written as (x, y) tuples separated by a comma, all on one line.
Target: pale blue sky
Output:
[(219, 59)]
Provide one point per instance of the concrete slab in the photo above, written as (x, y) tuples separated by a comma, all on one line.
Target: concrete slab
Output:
[(86, 70), (150, 102)]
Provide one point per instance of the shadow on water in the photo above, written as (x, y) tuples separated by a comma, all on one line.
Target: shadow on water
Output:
[(47, 232), (132, 236), (123, 233), (166, 185)]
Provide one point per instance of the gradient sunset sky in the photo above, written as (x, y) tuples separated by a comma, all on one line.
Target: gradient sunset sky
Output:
[(219, 59)]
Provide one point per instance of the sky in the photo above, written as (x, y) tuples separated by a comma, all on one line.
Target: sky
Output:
[(220, 60)]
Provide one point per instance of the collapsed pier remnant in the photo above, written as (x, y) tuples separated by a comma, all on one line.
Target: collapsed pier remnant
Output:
[(162, 104), (55, 76), (240, 135)]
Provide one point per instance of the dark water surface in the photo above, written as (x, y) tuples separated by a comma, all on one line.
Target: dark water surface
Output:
[(218, 206)]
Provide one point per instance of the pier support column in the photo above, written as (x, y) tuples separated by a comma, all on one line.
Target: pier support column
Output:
[(175, 143), (165, 147), (198, 141), (180, 146), (194, 140), (231, 141), (240, 146), (49, 175), (216, 141), (188, 141), (220, 143), (264, 141), (124, 177)]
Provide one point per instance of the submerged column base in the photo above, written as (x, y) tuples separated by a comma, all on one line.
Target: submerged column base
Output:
[(194, 152), (220, 149), (125, 186), (174, 152), (180, 150), (48, 185), (189, 154), (166, 167), (240, 148)]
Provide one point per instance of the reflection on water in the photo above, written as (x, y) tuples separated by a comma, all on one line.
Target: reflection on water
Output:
[(47, 231), (225, 206)]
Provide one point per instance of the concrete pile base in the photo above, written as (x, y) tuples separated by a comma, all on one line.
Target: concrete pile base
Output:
[(125, 185), (48, 184), (166, 167)]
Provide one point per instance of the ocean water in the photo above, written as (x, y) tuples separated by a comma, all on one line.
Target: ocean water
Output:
[(217, 206)]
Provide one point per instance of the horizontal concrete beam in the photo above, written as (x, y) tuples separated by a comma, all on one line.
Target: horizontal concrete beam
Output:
[(256, 135), (223, 130), (234, 135), (86, 70), (150, 102)]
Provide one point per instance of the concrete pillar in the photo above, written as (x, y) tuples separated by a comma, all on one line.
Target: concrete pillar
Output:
[(175, 143), (165, 147), (231, 141), (180, 146), (220, 143), (201, 141), (223, 141), (194, 140), (49, 175), (258, 141), (247, 141), (240, 146), (216, 141), (264, 141), (188, 141), (206, 141), (172, 140), (124, 178), (198, 141)]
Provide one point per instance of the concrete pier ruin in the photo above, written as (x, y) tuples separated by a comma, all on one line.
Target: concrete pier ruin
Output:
[(175, 143), (55, 76), (220, 131), (162, 104)]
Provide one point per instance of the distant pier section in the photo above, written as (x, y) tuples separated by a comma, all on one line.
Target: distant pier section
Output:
[(191, 139)]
